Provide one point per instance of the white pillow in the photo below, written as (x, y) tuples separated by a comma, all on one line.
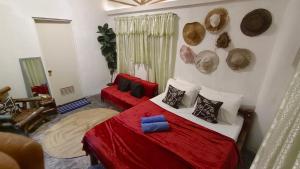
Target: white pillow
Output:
[(231, 103), (191, 91)]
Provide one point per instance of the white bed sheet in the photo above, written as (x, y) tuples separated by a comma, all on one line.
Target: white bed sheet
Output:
[(230, 130)]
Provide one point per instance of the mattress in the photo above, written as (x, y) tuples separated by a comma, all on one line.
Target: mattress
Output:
[(229, 130)]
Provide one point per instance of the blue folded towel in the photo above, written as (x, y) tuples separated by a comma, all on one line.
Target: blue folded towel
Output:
[(151, 119), (154, 127)]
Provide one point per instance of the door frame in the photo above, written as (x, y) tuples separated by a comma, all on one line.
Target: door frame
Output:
[(38, 20)]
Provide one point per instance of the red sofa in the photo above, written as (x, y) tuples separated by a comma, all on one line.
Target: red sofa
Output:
[(125, 100)]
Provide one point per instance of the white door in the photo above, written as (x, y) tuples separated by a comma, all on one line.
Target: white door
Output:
[(58, 48)]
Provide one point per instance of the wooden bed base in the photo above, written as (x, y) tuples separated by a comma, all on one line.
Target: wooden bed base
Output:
[(248, 115)]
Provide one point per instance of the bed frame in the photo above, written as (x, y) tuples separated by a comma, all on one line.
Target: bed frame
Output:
[(248, 115)]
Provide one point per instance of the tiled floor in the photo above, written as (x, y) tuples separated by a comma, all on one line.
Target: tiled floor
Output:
[(83, 162)]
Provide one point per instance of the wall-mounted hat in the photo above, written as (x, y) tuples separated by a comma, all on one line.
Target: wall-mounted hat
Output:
[(193, 33), (223, 40), (216, 20), (207, 61), (238, 58), (256, 22), (187, 54)]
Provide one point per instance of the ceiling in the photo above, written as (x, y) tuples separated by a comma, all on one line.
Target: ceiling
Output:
[(136, 2)]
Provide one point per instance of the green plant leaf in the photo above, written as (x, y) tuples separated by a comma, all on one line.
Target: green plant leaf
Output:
[(100, 28), (101, 39), (107, 41), (105, 26)]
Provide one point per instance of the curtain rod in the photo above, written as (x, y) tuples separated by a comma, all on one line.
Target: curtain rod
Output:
[(146, 15), (56, 20)]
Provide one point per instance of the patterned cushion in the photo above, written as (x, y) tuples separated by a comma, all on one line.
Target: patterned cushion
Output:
[(207, 109), (173, 97), (9, 106)]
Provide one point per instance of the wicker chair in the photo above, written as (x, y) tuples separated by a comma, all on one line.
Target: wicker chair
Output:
[(21, 114)]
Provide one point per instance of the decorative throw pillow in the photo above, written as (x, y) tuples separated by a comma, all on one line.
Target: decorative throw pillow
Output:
[(124, 85), (231, 103), (191, 91), (173, 97), (137, 90), (9, 106), (207, 109)]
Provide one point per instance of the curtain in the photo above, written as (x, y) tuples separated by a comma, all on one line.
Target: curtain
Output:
[(150, 40), (33, 71), (281, 146)]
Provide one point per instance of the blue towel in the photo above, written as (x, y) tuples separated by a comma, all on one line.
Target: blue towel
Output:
[(151, 119), (155, 127)]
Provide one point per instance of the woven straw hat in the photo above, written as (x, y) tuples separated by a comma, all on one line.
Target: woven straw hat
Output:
[(256, 22), (238, 58), (193, 33), (207, 61), (223, 40), (187, 54), (216, 20)]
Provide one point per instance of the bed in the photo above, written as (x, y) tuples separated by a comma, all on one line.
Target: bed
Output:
[(192, 143)]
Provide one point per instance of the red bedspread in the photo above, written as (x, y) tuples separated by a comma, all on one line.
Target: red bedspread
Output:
[(119, 143)]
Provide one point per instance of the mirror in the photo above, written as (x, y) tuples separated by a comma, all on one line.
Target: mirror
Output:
[(34, 77)]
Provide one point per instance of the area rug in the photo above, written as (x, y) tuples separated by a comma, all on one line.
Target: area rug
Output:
[(72, 105), (63, 140)]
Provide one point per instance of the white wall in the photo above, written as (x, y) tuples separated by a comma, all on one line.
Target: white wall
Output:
[(93, 71), (281, 68), (18, 38), (247, 82)]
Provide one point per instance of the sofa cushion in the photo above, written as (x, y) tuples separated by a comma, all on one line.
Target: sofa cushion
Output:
[(126, 76), (150, 88), (122, 100), (136, 90), (124, 84)]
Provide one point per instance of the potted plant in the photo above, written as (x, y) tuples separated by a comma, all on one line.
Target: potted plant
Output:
[(107, 39)]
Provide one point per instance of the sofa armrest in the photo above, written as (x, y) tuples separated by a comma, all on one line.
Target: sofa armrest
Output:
[(150, 88), (8, 162), (32, 99), (25, 151), (31, 117)]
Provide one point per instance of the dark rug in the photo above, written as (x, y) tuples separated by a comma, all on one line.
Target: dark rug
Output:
[(72, 105)]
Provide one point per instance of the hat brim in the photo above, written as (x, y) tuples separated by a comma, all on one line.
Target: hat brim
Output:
[(224, 17), (266, 17), (199, 30), (207, 53), (247, 54)]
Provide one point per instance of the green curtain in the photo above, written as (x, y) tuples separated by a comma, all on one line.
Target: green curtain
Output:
[(150, 40), (34, 71)]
